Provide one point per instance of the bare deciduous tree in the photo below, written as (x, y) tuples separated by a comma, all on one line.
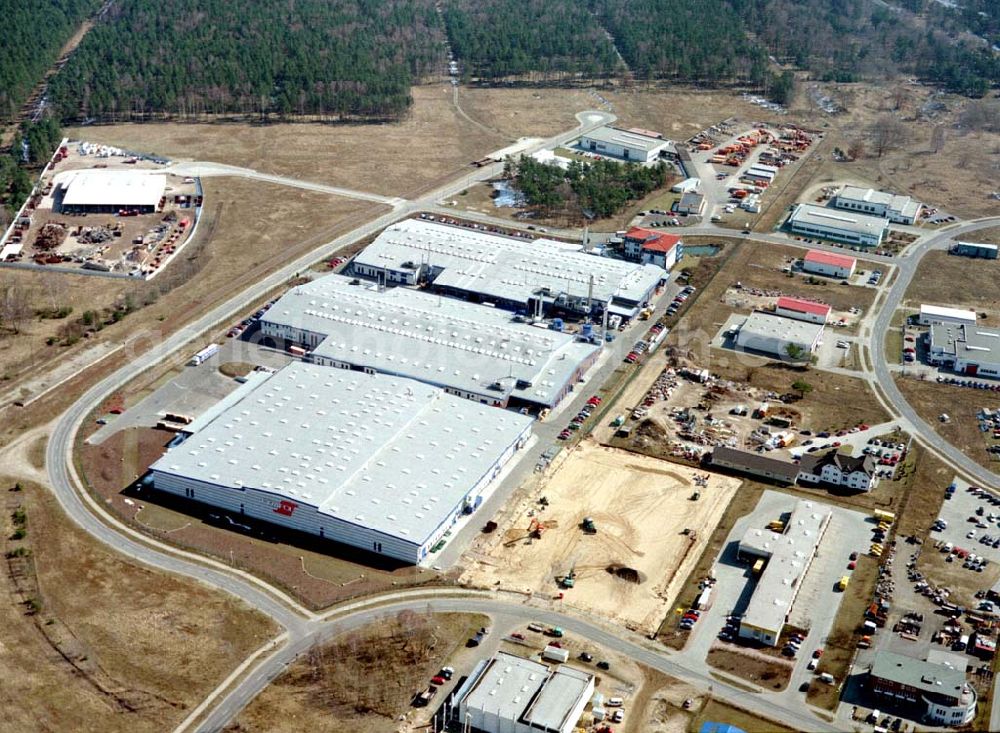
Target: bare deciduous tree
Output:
[(15, 305), (856, 150), (937, 138), (885, 134)]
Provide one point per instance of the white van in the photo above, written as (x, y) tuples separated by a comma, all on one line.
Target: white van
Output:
[(827, 678), (614, 702)]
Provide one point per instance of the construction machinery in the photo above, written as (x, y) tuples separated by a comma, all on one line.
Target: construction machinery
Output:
[(569, 579), (588, 526)]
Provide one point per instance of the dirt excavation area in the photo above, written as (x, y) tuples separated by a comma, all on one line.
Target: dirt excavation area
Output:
[(649, 533)]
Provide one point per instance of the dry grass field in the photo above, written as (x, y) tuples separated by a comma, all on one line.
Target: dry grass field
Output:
[(432, 144), (92, 641), (640, 507), (249, 230), (930, 399), (362, 680), (958, 282)]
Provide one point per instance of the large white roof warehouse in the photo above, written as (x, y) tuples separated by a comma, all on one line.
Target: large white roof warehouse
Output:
[(469, 350), (377, 462), (509, 272), (107, 190)]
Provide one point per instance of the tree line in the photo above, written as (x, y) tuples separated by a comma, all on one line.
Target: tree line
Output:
[(33, 34), (32, 146), (597, 189), (503, 38), (338, 58)]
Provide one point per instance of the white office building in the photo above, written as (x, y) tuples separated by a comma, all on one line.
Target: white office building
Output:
[(380, 463), (109, 191), (838, 226), (970, 350), (897, 209), (511, 694), (468, 350)]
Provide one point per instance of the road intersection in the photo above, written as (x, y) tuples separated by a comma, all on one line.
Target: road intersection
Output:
[(302, 627)]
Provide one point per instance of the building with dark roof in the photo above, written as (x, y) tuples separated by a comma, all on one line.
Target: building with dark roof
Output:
[(940, 694), (754, 464), (839, 469)]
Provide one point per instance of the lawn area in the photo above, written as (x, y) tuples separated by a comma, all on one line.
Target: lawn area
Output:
[(931, 399), (843, 638), (720, 712), (893, 343), (772, 674)]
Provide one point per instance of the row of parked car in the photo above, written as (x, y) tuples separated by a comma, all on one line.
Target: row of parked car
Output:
[(970, 383), (581, 418), (678, 301)]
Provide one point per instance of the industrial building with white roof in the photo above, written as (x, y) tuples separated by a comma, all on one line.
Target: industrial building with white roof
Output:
[(788, 556), (510, 273), (380, 463), (636, 146), (109, 191), (839, 226), (968, 349), (511, 694), (773, 334), (469, 350)]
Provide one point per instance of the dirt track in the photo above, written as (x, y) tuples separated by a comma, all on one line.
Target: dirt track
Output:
[(636, 502)]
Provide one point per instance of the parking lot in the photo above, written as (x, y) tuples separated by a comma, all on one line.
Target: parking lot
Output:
[(194, 390), (818, 601), (971, 523)]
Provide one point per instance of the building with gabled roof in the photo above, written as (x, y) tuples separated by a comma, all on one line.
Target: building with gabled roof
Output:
[(652, 247), (837, 225), (895, 208), (634, 146), (828, 263), (802, 310), (839, 469)]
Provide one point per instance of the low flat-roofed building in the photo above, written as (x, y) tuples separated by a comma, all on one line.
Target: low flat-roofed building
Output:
[(692, 203), (772, 334), (971, 350), (937, 314), (788, 556), (469, 350), (508, 272), (755, 464), (895, 208), (838, 226), (831, 264), (110, 191), (761, 172), (940, 693), (975, 249), (511, 694), (380, 463), (802, 310), (629, 145)]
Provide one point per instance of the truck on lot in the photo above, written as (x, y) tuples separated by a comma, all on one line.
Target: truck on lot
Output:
[(423, 699), (842, 583), (555, 654), (204, 355)]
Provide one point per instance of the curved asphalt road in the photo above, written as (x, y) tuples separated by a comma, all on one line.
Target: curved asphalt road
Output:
[(907, 266), (619, 640)]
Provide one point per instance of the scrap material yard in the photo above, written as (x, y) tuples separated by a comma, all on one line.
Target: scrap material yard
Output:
[(650, 531)]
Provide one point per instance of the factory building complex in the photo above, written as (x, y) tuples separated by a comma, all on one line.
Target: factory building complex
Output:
[(634, 145), (377, 462), (897, 209), (468, 350), (388, 430), (534, 277)]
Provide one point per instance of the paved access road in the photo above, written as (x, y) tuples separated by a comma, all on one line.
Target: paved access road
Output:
[(907, 268), (619, 640)]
